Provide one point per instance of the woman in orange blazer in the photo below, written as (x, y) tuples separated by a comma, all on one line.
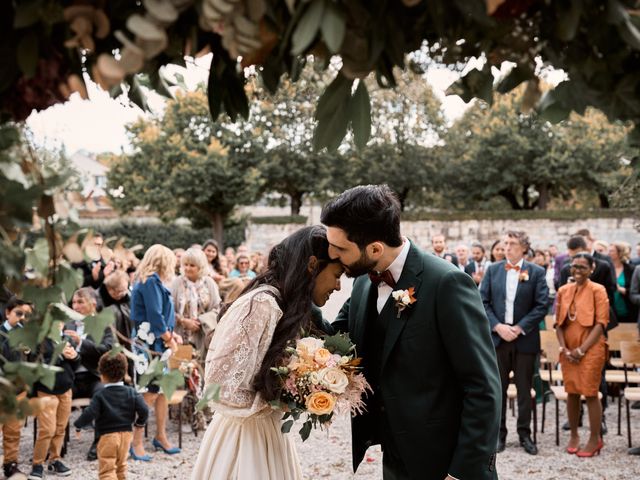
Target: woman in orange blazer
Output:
[(582, 315)]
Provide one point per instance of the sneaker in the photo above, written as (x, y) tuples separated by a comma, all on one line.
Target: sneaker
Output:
[(37, 472), (10, 469), (59, 468)]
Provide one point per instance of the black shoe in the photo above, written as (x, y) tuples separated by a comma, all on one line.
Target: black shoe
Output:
[(603, 427), (92, 454), (636, 405), (566, 427), (528, 445), (59, 468), (502, 446), (634, 451), (37, 472), (10, 469)]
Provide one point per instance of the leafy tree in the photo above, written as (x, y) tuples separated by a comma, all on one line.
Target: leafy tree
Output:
[(501, 151), (184, 165)]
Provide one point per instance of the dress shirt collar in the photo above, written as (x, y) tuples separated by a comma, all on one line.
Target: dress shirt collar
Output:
[(519, 264), (397, 265), (115, 384)]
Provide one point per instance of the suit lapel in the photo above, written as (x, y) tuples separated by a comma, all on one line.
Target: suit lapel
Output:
[(525, 268), (410, 278), (501, 283)]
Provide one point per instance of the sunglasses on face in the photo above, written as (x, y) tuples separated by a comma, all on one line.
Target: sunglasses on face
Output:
[(579, 267)]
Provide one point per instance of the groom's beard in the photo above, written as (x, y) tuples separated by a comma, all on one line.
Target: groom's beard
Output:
[(360, 267)]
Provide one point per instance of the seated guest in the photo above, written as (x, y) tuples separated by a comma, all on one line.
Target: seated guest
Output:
[(212, 251), (242, 270), (196, 300), (16, 312), (582, 317), (87, 379), (114, 409)]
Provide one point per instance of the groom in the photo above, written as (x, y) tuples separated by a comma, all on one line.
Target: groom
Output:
[(435, 407)]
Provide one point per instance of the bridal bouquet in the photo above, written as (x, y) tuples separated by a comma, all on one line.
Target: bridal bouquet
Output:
[(320, 377)]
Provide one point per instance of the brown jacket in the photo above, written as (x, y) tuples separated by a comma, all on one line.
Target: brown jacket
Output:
[(591, 303)]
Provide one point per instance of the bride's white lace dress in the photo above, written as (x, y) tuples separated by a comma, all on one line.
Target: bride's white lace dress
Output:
[(243, 440)]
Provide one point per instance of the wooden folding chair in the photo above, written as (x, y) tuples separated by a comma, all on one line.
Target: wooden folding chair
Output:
[(630, 354)]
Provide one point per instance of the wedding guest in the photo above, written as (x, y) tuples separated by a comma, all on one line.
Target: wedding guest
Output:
[(601, 247), (178, 253), (582, 317), (196, 300), (212, 251), (230, 289), (636, 259), (258, 262), (114, 409), (626, 311), (496, 253), (478, 264), (230, 255), (16, 312), (462, 252), (243, 270), (53, 418), (152, 307), (439, 249), (515, 323)]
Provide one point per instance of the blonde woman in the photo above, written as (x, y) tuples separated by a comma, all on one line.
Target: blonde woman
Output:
[(153, 315), (620, 253), (196, 299)]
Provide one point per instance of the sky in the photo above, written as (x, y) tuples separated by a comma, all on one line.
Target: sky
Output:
[(98, 124)]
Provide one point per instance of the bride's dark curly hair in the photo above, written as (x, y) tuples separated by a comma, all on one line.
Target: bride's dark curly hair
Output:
[(288, 271)]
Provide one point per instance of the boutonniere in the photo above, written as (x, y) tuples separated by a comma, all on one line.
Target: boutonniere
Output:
[(524, 276), (404, 298)]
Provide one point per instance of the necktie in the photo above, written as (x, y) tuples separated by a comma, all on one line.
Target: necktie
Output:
[(385, 277), (508, 266)]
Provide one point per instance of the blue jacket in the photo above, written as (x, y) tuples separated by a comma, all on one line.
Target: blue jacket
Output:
[(151, 302), (529, 307)]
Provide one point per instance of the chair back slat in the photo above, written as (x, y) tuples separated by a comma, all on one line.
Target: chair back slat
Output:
[(630, 352), (625, 332), (550, 321), (549, 345)]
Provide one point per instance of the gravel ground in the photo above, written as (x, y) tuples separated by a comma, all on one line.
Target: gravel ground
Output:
[(327, 455)]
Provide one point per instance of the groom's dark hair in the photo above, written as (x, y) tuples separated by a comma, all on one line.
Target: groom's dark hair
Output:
[(367, 213)]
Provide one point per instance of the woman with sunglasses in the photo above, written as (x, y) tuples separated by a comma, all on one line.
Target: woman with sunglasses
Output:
[(582, 318)]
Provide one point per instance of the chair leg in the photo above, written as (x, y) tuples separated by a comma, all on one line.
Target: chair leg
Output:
[(180, 425), (628, 422), (145, 430), (65, 442), (557, 423), (35, 429), (534, 407), (544, 408)]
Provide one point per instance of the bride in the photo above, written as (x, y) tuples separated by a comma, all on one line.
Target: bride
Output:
[(244, 440)]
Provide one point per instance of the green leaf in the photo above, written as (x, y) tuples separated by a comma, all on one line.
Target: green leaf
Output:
[(27, 53), (96, 324), (27, 13), (211, 394), (335, 95), (568, 19), (38, 256), (551, 109), (515, 77), (360, 115), (339, 343), (305, 431), (170, 382), (48, 375), (68, 279), (63, 313), (42, 297), (136, 95), (476, 83), (286, 426), (332, 114), (155, 369), (333, 26), (27, 336), (307, 28)]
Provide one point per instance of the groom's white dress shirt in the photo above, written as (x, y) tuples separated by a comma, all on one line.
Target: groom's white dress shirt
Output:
[(513, 277), (384, 290)]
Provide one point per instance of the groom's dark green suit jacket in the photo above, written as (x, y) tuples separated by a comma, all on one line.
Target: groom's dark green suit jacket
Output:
[(438, 384)]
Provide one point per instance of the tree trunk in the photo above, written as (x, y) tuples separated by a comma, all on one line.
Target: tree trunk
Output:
[(217, 225), (543, 200), (296, 202), (511, 198), (604, 200), (403, 198), (525, 197)]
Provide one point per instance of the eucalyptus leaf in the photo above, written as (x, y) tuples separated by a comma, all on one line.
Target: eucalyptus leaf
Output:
[(305, 431), (568, 19), (27, 336), (68, 279), (307, 28), (211, 394), (137, 95), (95, 325), (38, 256), (333, 26), (42, 297), (286, 426), (170, 382), (27, 13), (360, 115), (515, 77), (27, 53), (47, 375)]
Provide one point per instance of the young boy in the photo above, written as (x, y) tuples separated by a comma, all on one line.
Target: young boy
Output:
[(16, 312), (114, 409)]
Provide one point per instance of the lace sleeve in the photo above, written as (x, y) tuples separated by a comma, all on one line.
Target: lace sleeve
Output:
[(237, 350)]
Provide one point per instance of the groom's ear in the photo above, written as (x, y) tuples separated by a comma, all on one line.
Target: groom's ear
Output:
[(313, 264), (375, 250)]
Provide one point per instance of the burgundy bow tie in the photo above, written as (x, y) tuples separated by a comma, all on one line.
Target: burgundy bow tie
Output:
[(385, 277)]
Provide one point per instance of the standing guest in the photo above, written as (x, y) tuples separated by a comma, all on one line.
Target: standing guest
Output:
[(224, 267), (636, 260), (212, 251), (496, 254), (152, 311), (542, 259), (515, 293), (87, 378), (439, 247), (586, 234), (196, 299), (479, 263), (243, 270), (114, 409), (626, 311), (436, 395), (230, 289), (230, 255), (178, 253), (462, 252), (53, 418), (114, 294), (16, 311), (601, 247), (583, 314)]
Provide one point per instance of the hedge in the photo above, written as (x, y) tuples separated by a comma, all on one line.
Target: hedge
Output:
[(561, 215), (279, 220)]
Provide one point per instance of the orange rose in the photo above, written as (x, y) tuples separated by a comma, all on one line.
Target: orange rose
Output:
[(320, 403), (322, 356)]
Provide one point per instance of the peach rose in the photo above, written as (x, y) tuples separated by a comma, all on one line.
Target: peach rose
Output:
[(334, 379), (322, 356), (320, 403)]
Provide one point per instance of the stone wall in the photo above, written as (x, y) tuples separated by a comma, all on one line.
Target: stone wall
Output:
[(542, 232)]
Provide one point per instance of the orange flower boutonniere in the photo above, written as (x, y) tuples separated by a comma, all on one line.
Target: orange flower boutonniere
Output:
[(524, 276), (404, 298)]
